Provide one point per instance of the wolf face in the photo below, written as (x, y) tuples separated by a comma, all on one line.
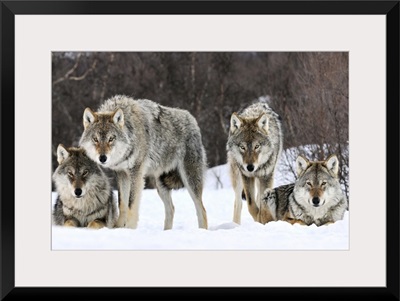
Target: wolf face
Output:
[(104, 138), (317, 183), (314, 198), (249, 143), (74, 172)]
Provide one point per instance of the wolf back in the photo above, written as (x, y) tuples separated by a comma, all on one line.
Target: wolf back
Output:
[(84, 194), (253, 148), (315, 197), (139, 138)]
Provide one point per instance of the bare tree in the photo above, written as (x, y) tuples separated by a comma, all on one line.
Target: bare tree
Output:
[(308, 89)]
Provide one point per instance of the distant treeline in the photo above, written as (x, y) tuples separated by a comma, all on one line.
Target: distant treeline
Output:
[(309, 90)]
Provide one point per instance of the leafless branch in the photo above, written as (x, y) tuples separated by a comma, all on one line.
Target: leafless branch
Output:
[(68, 74)]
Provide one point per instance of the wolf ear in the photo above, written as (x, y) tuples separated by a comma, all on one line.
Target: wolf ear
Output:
[(236, 123), (263, 122), (118, 117), (88, 117), (301, 164), (62, 153), (332, 163)]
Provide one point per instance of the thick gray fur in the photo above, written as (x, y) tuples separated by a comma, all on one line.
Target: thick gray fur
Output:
[(148, 139), (294, 202), (96, 205), (253, 148)]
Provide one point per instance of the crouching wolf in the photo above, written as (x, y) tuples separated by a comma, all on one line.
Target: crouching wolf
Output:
[(253, 150), (85, 197), (139, 138), (314, 198)]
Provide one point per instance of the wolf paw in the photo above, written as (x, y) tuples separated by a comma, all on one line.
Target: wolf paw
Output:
[(96, 224), (131, 224), (70, 223), (120, 224)]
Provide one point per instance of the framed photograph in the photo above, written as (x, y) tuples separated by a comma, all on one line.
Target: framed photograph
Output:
[(60, 57), (211, 86)]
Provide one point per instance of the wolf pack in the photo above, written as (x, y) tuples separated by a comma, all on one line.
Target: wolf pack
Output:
[(139, 138)]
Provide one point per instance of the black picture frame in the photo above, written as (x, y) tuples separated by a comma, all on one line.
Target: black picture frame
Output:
[(9, 9)]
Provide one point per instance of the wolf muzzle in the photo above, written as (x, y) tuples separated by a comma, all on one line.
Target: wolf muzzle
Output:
[(103, 158), (78, 192), (315, 201), (250, 167)]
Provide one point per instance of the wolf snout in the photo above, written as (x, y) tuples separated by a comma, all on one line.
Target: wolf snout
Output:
[(315, 201), (78, 192), (103, 158), (250, 167)]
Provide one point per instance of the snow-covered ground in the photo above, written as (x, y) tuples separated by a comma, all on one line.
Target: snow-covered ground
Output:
[(223, 234)]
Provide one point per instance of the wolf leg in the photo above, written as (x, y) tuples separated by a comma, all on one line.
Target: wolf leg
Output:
[(249, 190), (265, 182), (238, 189), (124, 182), (137, 185), (165, 195), (265, 214), (192, 178)]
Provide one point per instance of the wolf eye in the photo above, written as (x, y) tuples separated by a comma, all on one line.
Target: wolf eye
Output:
[(257, 146), (323, 183), (242, 147), (309, 183), (85, 172), (70, 174), (111, 139), (95, 139)]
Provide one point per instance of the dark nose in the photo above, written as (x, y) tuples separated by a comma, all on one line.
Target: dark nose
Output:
[(315, 201), (103, 158), (78, 192), (250, 167)]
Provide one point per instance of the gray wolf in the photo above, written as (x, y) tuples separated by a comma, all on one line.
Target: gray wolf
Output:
[(139, 138), (253, 149), (85, 197), (314, 198)]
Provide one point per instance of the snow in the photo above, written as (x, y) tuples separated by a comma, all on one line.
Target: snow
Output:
[(222, 233)]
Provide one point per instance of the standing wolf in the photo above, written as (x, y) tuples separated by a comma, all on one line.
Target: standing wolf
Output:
[(139, 138), (315, 197), (253, 150), (85, 197)]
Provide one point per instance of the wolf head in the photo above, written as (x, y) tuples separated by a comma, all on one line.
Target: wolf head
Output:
[(248, 141), (75, 173), (317, 184), (103, 137)]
